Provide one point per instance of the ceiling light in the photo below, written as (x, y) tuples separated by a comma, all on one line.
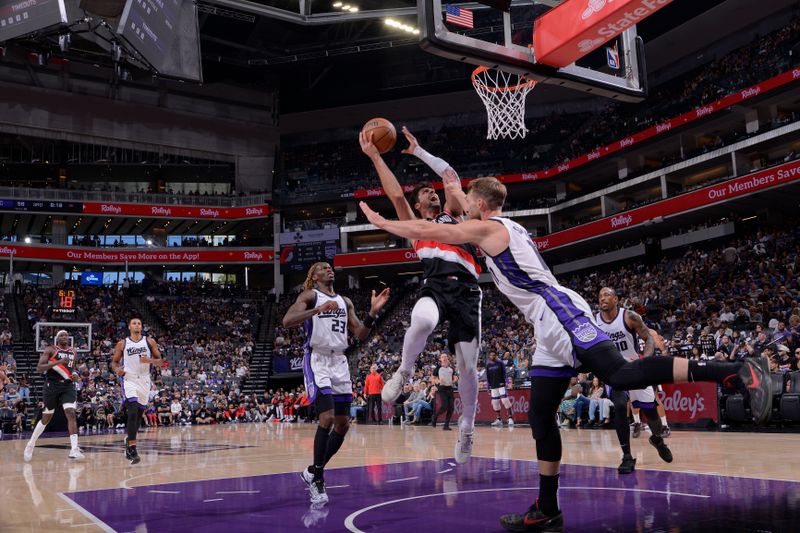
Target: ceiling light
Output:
[(353, 9), (27, 240), (337, 4)]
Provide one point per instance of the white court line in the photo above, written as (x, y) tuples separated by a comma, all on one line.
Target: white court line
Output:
[(96, 521), (401, 479), (452, 464), (337, 487), (349, 522), (236, 492), (164, 491), (82, 525), (448, 470), (493, 470), (213, 500)]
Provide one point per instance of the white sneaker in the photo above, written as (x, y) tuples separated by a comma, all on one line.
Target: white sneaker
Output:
[(28, 452), (393, 387), (497, 423), (76, 453), (510, 422), (316, 489), (463, 446)]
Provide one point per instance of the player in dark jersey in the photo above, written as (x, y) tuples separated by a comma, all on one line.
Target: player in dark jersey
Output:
[(496, 378), (450, 288), (58, 363)]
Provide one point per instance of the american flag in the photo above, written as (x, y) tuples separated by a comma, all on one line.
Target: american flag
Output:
[(459, 15)]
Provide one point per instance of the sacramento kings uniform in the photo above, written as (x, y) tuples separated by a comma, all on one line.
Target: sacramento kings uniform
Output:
[(496, 378), (325, 366), (561, 318), (627, 343), (136, 381), (59, 389), (450, 277)]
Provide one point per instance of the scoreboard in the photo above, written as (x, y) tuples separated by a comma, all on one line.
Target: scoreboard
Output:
[(64, 305)]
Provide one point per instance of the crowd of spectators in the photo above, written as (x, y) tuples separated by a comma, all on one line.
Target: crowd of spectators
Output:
[(103, 241), (311, 169)]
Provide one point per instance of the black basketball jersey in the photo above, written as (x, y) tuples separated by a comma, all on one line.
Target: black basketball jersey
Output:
[(62, 371), (439, 259)]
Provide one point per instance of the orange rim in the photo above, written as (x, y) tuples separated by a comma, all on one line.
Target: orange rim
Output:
[(524, 84)]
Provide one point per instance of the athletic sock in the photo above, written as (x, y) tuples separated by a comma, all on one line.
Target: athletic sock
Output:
[(320, 449), (335, 441), (713, 371), (133, 421), (664, 421), (548, 494), (637, 418), (73, 441), (37, 432), (626, 448)]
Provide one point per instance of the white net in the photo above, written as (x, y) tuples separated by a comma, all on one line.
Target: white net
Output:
[(504, 95)]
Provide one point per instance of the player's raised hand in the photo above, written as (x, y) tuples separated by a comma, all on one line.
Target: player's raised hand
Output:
[(378, 301), (330, 305), (412, 142), (369, 149), (372, 216)]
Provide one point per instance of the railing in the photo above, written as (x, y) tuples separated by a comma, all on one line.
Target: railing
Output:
[(30, 193)]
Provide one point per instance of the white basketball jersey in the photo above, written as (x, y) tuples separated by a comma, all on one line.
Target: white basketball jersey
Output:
[(131, 354), (621, 335), (521, 274), (326, 333)]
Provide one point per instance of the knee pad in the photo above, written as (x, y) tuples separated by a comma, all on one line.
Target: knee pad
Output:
[(68, 406)]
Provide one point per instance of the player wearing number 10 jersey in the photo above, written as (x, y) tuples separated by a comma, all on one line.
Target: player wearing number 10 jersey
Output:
[(326, 317), (58, 363)]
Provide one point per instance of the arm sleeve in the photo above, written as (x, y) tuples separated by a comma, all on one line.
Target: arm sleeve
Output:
[(437, 164)]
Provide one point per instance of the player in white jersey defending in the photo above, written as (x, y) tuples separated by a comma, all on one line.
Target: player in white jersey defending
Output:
[(132, 358), (326, 317), (57, 362), (623, 326), (566, 337), (449, 290)]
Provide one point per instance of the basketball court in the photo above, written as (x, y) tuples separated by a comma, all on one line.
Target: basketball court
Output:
[(391, 478)]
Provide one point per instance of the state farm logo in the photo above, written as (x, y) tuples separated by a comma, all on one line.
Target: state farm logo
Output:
[(678, 402), (108, 208), (594, 6), (162, 211), (751, 92), (705, 110), (664, 126), (621, 221), (253, 211), (593, 155), (626, 142), (563, 167), (256, 256), (209, 213)]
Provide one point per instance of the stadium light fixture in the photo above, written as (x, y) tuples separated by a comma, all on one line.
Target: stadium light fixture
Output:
[(27, 240)]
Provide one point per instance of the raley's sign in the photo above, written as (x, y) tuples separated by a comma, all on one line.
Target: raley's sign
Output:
[(175, 211), (721, 192), (76, 254), (574, 28)]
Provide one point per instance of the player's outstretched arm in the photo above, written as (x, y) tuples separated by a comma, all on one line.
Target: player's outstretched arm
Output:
[(472, 231), (389, 182), (455, 199), (361, 329)]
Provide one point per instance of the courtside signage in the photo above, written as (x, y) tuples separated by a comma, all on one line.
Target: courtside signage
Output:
[(76, 254)]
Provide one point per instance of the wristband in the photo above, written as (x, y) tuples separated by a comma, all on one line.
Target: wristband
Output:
[(369, 321)]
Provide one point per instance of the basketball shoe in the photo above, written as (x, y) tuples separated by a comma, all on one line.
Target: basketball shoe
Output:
[(533, 520), (393, 387)]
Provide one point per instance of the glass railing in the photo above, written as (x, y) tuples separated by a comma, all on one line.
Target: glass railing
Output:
[(29, 193)]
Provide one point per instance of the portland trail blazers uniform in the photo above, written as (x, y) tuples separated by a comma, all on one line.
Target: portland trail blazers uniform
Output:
[(136, 381), (627, 342), (59, 389), (561, 318), (325, 366), (450, 277)]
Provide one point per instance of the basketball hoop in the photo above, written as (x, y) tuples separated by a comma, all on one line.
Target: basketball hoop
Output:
[(504, 95)]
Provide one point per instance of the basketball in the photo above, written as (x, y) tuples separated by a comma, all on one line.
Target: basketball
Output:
[(383, 133)]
